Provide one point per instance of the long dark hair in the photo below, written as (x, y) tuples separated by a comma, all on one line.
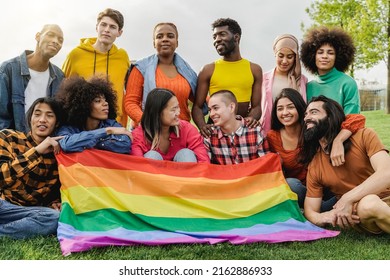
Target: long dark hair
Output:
[(155, 103), (335, 117), (295, 97)]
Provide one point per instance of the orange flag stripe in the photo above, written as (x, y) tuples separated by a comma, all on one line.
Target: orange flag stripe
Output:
[(141, 183)]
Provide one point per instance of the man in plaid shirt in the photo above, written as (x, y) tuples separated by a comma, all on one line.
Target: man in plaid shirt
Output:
[(29, 183), (232, 141)]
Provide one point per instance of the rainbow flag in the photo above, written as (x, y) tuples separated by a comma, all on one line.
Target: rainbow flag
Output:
[(114, 199)]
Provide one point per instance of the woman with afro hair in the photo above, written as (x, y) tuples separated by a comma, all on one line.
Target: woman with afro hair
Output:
[(90, 122), (327, 53)]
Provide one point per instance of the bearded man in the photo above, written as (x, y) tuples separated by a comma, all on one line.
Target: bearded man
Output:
[(231, 72), (361, 184)]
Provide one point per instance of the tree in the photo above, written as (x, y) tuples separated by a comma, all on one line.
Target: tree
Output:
[(368, 22)]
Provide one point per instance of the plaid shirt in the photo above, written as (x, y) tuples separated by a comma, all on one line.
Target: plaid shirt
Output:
[(242, 146), (26, 178)]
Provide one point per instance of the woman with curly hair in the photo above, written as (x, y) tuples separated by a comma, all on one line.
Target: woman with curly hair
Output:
[(163, 136), (90, 122), (327, 53)]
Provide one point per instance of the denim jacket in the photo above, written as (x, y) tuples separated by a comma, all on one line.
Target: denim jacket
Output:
[(77, 140), (14, 77), (147, 66)]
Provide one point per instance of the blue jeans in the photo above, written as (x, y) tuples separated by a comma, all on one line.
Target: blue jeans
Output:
[(23, 222), (297, 187), (183, 155), (328, 199)]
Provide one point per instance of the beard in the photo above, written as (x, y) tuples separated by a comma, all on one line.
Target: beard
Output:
[(316, 132), (228, 48)]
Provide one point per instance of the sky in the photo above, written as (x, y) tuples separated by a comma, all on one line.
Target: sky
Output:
[(260, 20)]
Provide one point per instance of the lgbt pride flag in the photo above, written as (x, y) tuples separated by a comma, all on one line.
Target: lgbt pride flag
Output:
[(114, 199)]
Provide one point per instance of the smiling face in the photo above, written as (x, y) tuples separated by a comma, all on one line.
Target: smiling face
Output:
[(285, 59), (107, 31), (316, 123), (99, 108), (43, 122), (221, 110), (50, 40), (287, 112), (224, 40), (170, 114), (165, 39), (325, 59)]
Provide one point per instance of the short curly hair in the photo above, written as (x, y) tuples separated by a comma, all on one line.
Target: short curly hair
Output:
[(77, 94), (232, 25), (339, 39)]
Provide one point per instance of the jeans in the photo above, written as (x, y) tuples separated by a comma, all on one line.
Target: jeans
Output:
[(183, 155), (328, 199), (21, 222), (297, 187)]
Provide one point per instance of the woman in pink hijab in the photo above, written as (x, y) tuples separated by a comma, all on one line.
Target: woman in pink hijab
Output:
[(286, 74)]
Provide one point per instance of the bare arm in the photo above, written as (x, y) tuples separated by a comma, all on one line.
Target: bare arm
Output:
[(376, 183), (201, 95), (255, 111), (352, 123), (313, 213)]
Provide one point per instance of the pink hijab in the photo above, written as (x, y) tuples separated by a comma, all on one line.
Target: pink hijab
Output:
[(290, 42)]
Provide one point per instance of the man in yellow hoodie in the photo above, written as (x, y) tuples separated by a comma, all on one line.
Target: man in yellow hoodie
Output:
[(100, 56)]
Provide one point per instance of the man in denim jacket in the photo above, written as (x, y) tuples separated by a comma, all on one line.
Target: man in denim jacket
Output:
[(29, 76)]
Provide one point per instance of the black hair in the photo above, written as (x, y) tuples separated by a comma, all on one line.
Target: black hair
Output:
[(151, 123), (77, 95), (296, 98), (340, 40), (53, 104)]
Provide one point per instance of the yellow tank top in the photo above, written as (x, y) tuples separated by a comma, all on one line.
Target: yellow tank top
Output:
[(235, 76)]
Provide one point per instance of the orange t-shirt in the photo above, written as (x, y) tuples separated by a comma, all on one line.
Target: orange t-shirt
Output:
[(134, 92), (291, 167), (356, 169)]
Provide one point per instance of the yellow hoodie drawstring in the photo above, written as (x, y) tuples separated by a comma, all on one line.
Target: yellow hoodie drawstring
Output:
[(94, 63)]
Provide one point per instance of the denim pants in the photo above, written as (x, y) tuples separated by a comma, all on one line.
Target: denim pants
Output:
[(328, 199), (23, 222), (183, 155)]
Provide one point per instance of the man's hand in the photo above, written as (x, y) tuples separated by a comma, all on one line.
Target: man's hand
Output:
[(206, 130), (251, 122), (337, 153), (56, 206), (329, 218), (50, 144), (345, 213), (118, 131)]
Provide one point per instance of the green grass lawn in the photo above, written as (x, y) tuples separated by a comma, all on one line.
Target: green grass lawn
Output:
[(349, 245), (380, 122)]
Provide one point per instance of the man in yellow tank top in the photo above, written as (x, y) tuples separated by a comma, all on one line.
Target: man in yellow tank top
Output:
[(231, 72)]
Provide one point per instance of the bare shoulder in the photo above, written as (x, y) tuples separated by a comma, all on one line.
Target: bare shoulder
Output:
[(207, 70), (256, 68)]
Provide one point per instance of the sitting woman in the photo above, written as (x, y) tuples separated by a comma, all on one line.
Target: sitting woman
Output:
[(287, 120), (90, 121), (163, 136)]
